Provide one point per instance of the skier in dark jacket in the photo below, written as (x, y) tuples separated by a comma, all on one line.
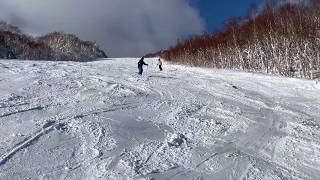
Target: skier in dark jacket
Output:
[(140, 65), (160, 64)]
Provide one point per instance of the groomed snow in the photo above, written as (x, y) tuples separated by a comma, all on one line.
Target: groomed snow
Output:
[(100, 120)]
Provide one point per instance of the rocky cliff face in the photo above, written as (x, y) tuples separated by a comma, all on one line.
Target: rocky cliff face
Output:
[(54, 46)]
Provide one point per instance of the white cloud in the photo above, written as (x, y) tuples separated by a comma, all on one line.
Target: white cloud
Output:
[(121, 27)]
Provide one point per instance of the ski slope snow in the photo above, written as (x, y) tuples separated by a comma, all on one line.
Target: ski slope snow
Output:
[(100, 120)]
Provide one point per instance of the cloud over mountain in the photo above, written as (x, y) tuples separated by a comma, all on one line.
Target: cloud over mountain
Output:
[(121, 27)]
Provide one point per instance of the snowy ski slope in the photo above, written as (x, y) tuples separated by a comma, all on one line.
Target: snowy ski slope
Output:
[(100, 120)]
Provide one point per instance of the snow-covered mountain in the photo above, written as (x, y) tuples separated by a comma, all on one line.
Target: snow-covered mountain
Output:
[(100, 120), (53, 46)]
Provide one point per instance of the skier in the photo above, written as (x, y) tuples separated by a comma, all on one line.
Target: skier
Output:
[(140, 65), (160, 64)]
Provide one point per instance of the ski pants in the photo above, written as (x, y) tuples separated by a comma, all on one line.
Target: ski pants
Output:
[(140, 70)]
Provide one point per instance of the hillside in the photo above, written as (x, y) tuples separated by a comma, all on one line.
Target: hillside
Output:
[(281, 39), (8, 27), (54, 46), (70, 47), (100, 120)]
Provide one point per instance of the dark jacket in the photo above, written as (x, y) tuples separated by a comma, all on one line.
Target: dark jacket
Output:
[(141, 63)]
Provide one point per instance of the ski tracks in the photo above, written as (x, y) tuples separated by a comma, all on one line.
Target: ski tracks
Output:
[(215, 124)]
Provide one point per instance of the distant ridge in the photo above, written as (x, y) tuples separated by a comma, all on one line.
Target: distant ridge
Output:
[(54, 46)]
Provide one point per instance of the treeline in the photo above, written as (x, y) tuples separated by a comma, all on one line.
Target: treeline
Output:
[(54, 46), (281, 39)]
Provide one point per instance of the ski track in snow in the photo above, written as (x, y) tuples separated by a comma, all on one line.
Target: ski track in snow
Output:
[(100, 120)]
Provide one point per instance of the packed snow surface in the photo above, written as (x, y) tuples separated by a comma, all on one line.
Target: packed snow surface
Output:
[(100, 120)]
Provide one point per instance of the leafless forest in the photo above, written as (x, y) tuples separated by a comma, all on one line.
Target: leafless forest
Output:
[(282, 39)]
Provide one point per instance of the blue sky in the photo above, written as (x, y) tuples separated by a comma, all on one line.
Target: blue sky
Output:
[(217, 12)]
